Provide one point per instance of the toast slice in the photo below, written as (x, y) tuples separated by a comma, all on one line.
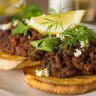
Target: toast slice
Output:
[(67, 86), (8, 61)]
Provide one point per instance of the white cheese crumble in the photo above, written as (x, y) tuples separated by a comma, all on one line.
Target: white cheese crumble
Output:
[(6, 26), (43, 15), (39, 72), (84, 43), (28, 22), (77, 53), (61, 37), (44, 72), (15, 22), (29, 37)]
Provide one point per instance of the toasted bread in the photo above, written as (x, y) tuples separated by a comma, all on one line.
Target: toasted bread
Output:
[(8, 61), (28, 63), (68, 86)]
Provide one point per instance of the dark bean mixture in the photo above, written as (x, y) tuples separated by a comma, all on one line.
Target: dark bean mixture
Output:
[(60, 64), (65, 64), (19, 44)]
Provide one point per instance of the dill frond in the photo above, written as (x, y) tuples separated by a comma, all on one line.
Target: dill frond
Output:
[(76, 33)]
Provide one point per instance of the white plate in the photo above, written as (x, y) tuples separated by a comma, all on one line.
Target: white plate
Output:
[(12, 83)]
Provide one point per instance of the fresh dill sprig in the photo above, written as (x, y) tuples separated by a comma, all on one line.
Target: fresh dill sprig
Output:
[(55, 21), (76, 33)]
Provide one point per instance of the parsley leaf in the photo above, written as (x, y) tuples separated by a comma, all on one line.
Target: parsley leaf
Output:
[(27, 12), (20, 29), (46, 44)]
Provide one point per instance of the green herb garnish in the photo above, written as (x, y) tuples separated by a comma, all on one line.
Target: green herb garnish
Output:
[(76, 33), (27, 12), (21, 28), (56, 21), (46, 44), (49, 63)]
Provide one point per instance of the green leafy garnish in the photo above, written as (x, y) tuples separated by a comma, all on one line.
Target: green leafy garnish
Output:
[(76, 33), (46, 44), (27, 12), (49, 63), (21, 28)]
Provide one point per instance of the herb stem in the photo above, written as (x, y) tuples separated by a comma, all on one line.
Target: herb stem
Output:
[(33, 52), (60, 22)]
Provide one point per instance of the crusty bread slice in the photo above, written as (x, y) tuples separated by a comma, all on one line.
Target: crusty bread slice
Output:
[(8, 61), (68, 86), (9, 64)]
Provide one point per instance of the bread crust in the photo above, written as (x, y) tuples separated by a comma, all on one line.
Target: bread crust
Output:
[(28, 63), (8, 61), (67, 89)]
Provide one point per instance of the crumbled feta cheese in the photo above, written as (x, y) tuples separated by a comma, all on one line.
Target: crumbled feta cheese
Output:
[(29, 37), (84, 43), (6, 26), (28, 22), (43, 15), (77, 53), (44, 72), (58, 36), (39, 72), (15, 22)]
